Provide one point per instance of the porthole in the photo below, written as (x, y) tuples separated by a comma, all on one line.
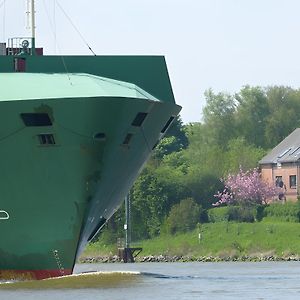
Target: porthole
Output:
[(100, 136)]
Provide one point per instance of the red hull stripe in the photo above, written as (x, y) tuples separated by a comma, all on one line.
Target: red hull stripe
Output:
[(32, 274)]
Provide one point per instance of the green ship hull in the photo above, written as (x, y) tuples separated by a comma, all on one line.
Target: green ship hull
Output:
[(72, 145)]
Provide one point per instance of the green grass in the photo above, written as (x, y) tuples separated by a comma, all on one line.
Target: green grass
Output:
[(220, 239), (99, 249)]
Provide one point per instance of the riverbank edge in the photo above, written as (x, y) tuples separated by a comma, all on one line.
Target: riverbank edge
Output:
[(175, 258)]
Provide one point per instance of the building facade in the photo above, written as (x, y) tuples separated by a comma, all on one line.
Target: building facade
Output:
[(281, 167)]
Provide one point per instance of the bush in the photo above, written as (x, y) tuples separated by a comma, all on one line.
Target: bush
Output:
[(218, 214), (184, 216), (242, 214), (260, 210), (288, 212), (232, 213)]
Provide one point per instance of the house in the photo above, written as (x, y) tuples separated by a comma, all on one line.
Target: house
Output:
[(282, 165)]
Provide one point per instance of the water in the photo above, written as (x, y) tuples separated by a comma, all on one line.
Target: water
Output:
[(155, 281)]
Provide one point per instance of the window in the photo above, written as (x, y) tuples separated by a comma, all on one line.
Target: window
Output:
[(284, 153), (36, 119), (139, 119), (46, 139), (296, 149), (127, 139), (167, 125), (293, 181), (278, 181)]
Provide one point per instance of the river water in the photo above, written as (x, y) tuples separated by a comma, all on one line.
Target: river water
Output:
[(156, 281)]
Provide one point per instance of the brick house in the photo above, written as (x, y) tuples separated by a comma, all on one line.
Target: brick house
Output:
[(281, 166)]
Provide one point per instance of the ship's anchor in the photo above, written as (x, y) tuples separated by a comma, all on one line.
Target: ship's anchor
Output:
[(4, 215)]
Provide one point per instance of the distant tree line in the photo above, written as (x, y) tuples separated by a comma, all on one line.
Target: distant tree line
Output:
[(180, 180)]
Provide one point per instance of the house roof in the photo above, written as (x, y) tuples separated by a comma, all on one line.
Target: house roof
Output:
[(287, 151)]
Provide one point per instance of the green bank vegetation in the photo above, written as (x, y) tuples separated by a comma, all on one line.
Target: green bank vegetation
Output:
[(230, 240), (175, 191), (274, 230)]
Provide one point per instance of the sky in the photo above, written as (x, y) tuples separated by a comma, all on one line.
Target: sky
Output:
[(218, 44)]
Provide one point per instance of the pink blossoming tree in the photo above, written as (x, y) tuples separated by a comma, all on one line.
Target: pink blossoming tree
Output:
[(245, 188)]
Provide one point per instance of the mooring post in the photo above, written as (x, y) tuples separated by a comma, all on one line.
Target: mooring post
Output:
[(127, 224), (127, 254)]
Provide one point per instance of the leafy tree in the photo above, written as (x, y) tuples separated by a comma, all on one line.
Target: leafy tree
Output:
[(202, 186), (283, 102), (150, 202), (183, 216), (241, 155), (177, 129), (154, 192), (251, 116), (174, 140), (204, 161), (203, 155), (218, 115), (166, 146)]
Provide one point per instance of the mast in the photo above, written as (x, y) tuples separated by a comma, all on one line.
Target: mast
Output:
[(31, 22)]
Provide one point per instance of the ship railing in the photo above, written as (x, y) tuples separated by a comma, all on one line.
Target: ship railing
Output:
[(19, 46)]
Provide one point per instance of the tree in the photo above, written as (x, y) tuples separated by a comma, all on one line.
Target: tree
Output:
[(283, 102), (166, 146), (175, 140), (218, 115), (154, 193), (150, 202), (241, 155), (177, 129), (245, 188), (252, 113), (183, 216)]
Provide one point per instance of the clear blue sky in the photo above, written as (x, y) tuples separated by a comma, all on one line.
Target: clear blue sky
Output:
[(218, 44)]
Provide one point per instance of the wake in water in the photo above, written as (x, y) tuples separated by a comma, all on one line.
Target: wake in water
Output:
[(91, 279), (162, 276), (77, 281)]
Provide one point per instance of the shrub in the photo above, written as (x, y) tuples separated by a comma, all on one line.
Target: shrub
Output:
[(260, 211), (288, 212), (241, 214), (232, 213), (218, 214), (184, 216)]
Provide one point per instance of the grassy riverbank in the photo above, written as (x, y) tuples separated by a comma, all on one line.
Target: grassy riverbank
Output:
[(281, 239)]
